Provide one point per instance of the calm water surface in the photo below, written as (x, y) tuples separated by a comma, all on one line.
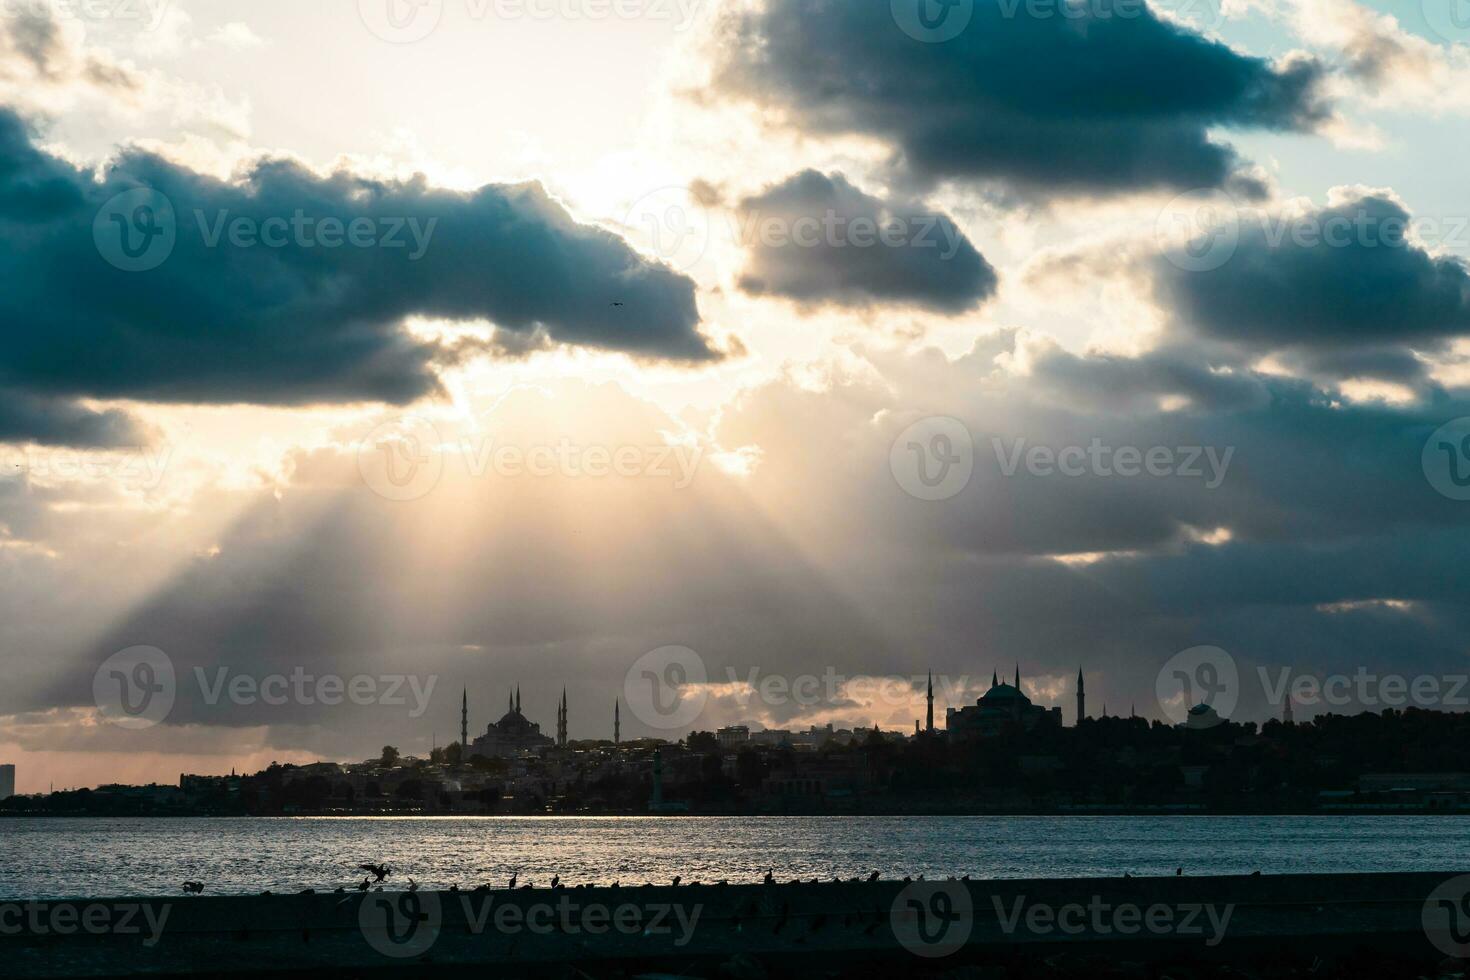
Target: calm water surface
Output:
[(100, 858)]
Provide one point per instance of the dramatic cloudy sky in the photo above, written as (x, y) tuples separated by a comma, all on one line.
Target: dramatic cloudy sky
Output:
[(490, 344)]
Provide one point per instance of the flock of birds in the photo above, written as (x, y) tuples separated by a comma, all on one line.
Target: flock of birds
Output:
[(378, 873)]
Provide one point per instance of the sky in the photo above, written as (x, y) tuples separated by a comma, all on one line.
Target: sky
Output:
[(741, 361)]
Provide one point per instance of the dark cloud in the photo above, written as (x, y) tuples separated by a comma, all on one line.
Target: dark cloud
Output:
[(313, 316), (58, 422), (1343, 290), (1115, 101), (815, 238)]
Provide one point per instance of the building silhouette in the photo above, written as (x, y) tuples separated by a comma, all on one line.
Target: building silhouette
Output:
[(513, 734), (929, 723), (7, 781), (561, 720), (1002, 707)]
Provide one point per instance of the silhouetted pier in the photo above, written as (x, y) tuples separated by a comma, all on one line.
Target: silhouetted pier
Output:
[(855, 928)]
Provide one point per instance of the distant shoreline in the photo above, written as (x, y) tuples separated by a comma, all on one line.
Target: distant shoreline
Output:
[(1377, 811)]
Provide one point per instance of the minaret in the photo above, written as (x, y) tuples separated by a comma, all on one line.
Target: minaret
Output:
[(617, 724), (1081, 698), (994, 679), (658, 780), (561, 720), (518, 699), (1018, 677), (930, 717), (464, 724), (1286, 712), (510, 703)]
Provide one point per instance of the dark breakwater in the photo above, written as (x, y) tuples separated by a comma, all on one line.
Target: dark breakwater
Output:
[(749, 930)]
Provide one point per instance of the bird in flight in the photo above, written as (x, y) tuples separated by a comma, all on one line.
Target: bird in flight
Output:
[(380, 871)]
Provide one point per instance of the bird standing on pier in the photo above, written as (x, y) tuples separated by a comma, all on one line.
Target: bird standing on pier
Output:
[(513, 877), (872, 877), (193, 887)]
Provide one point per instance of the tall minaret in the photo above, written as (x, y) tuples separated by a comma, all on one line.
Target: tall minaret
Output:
[(561, 720), (464, 724), (1081, 698), (617, 724), (1286, 712), (930, 717), (1018, 677), (518, 699)]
